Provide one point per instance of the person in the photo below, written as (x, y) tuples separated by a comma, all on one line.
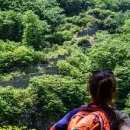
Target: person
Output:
[(123, 119), (102, 88)]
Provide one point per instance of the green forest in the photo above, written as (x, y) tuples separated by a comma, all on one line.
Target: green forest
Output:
[(48, 48)]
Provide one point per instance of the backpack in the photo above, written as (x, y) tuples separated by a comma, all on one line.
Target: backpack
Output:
[(84, 120)]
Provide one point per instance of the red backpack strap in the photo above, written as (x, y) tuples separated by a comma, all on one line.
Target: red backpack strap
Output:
[(106, 124), (100, 120), (52, 128)]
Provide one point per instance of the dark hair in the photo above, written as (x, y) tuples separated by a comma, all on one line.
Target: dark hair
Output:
[(102, 87)]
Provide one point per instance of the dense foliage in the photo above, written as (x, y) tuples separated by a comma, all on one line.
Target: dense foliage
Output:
[(46, 96), (73, 37), (16, 55)]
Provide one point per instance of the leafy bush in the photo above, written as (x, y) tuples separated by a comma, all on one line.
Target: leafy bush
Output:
[(63, 36), (34, 30), (73, 7), (127, 108), (107, 54), (83, 21), (67, 69), (114, 22), (46, 96), (83, 40), (99, 13), (47, 10), (123, 85), (13, 55), (67, 90), (14, 104), (54, 95), (126, 26), (55, 51), (11, 25)]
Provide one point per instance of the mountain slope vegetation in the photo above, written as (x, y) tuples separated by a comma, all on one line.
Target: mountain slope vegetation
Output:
[(75, 37)]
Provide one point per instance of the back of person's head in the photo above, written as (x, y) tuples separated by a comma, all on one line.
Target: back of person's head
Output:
[(102, 87)]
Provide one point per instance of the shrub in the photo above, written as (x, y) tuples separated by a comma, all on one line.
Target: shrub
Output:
[(66, 69), (34, 30), (123, 85), (67, 90), (127, 108), (14, 104), (13, 55), (107, 54), (11, 25)]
